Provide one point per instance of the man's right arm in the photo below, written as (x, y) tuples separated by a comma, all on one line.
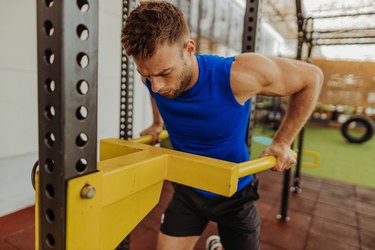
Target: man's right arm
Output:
[(157, 123)]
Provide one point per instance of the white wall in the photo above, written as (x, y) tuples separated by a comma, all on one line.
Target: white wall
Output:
[(271, 42), (18, 94)]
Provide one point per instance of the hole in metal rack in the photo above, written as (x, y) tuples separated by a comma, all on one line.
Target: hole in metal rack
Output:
[(48, 28), (82, 140), (50, 215), (83, 5), (81, 165), (50, 191), (82, 32), (49, 3), (82, 87), (82, 60), (49, 56), (50, 85), (251, 9), (82, 113), (251, 19), (49, 165), (50, 139), (50, 112), (50, 240)]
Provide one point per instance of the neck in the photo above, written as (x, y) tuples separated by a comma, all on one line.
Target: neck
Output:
[(195, 72)]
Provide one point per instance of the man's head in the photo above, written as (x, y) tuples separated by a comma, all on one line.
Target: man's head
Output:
[(156, 35), (152, 24)]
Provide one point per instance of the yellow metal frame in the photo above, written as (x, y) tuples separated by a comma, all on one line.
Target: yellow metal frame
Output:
[(105, 206), (128, 185)]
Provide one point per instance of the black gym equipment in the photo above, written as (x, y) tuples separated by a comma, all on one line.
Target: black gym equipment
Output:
[(358, 123)]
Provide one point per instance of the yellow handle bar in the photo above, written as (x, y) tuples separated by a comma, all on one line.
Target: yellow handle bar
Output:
[(246, 168), (147, 139)]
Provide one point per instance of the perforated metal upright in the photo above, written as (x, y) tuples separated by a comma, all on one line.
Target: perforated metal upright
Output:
[(300, 44), (67, 93), (249, 44), (301, 35), (127, 82), (126, 95)]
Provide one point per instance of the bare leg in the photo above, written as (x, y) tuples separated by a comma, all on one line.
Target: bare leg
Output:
[(166, 242)]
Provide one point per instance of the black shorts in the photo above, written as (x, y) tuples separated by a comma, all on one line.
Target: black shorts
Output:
[(237, 218)]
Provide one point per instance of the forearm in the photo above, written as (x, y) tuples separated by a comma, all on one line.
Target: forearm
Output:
[(300, 107), (156, 117)]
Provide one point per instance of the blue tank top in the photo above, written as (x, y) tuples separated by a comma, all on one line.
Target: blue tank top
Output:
[(207, 119)]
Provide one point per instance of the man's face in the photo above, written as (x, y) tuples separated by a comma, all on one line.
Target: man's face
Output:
[(169, 70)]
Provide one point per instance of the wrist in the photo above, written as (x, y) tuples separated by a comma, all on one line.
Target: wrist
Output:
[(281, 141), (158, 123)]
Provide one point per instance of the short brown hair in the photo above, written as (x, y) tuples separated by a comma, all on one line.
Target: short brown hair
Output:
[(151, 24)]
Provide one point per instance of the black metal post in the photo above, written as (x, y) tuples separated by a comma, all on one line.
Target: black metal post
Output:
[(67, 34), (303, 37), (249, 44), (127, 82), (285, 197), (297, 175), (126, 97), (286, 184)]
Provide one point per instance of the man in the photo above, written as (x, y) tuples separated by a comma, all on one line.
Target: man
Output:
[(204, 103)]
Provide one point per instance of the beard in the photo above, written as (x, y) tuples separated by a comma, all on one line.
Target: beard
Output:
[(184, 79)]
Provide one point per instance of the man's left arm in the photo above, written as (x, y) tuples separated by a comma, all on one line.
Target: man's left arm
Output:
[(279, 77)]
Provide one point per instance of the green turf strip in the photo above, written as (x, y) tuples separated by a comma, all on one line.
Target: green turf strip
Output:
[(340, 160)]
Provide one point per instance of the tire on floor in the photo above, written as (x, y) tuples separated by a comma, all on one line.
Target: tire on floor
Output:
[(365, 121)]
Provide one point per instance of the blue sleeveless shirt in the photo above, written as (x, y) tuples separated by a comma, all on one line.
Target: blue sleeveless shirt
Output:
[(207, 119)]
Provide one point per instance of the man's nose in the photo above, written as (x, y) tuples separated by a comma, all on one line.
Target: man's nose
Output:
[(156, 84)]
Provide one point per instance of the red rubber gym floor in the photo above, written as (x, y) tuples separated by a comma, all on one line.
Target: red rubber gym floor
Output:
[(326, 215)]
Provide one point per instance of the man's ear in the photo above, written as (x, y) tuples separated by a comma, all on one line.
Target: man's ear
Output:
[(190, 47)]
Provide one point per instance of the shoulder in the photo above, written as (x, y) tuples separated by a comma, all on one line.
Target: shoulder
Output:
[(215, 61), (253, 62), (249, 74)]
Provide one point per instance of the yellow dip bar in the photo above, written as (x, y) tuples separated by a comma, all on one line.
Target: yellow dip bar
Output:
[(104, 207)]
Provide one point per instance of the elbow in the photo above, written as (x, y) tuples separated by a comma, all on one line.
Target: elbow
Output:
[(317, 79), (320, 77)]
